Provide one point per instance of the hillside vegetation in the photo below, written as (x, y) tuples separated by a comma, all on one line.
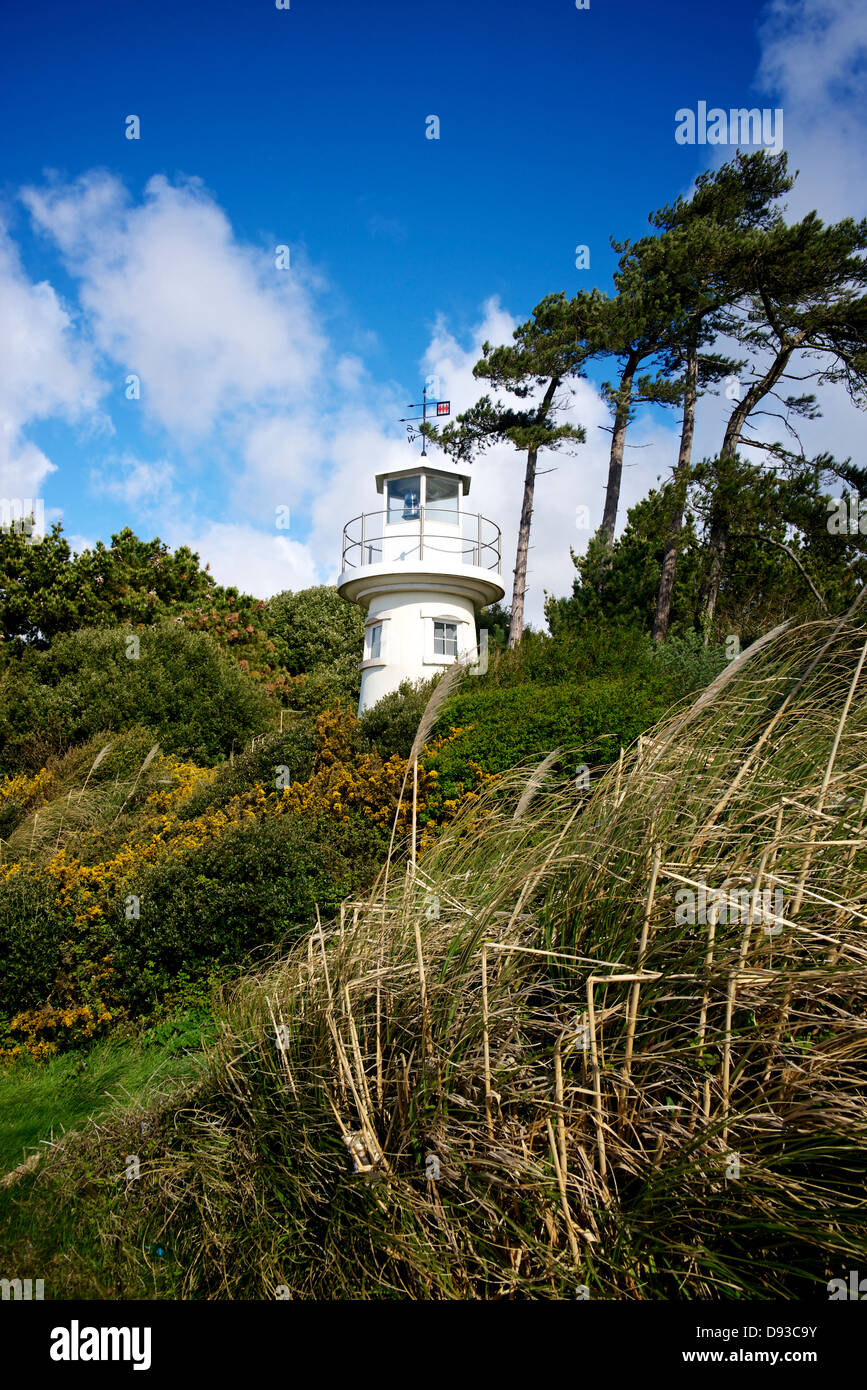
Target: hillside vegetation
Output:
[(524, 1068), (164, 821)]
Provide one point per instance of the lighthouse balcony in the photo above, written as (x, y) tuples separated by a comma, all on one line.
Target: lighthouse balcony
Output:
[(424, 538)]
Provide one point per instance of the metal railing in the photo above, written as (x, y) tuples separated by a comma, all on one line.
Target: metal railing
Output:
[(473, 539)]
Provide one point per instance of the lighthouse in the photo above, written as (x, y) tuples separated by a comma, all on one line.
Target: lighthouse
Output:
[(421, 567)]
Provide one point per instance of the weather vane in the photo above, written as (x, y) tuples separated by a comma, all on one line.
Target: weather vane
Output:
[(442, 408)]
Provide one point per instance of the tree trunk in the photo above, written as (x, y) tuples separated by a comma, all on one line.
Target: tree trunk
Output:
[(516, 619), (718, 541), (618, 442), (721, 520), (681, 486)]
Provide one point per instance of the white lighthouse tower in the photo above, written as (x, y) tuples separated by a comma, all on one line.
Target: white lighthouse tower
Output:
[(421, 567)]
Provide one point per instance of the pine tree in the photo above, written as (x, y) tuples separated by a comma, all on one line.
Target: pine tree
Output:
[(547, 351), (804, 303), (704, 246)]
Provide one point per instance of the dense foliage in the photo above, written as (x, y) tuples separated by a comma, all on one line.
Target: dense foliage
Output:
[(781, 561), (46, 591), (180, 684)]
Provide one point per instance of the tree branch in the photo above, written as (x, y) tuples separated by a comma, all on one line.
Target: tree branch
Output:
[(756, 535)]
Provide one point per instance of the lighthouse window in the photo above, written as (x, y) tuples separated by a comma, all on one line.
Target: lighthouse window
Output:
[(442, 500), (374, 642), (404, 495), (445, 639)]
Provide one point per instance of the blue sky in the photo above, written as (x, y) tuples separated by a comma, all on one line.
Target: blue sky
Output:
[(305, 127)]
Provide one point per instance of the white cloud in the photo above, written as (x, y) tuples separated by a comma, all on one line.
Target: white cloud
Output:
[(256, 562), (349, 372), (23, 467), (283, 456), (46, 370), (143, 487), (211, 326), (813, 60)]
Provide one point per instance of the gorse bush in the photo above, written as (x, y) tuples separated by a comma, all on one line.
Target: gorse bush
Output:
[(272, 761), (225, 861), (258, 884), (17, 795), (112, 887)]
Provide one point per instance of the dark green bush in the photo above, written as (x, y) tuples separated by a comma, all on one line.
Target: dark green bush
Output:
[(502, 727), (31, 932), (321, 638), (687, 663), (586, 651), (325, 685), (592, 690), (390, 726), (194, 697), (318, 627), (257, 886)]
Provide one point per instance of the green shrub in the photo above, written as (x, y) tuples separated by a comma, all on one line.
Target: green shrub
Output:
[(258, 885), (321, 639), (590, 692), (390, 726), (590, 650), (687, 663), (318, 627), (182, 686), (325, 685), (31, 933), (502, 727)]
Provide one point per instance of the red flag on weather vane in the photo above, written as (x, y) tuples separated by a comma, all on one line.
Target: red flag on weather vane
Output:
[(442, 408)]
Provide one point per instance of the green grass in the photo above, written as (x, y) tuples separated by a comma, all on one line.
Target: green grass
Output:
[(40, 1101)]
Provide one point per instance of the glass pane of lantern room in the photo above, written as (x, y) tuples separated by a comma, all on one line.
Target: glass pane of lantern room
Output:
[(442, 500), (403, 498)]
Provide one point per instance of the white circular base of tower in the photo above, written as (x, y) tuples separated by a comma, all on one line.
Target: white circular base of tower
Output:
[(426, 620)]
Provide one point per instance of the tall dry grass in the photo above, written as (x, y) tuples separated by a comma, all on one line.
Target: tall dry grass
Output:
[(514, 1072)]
